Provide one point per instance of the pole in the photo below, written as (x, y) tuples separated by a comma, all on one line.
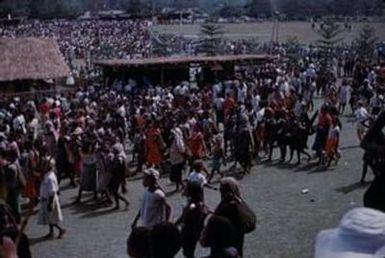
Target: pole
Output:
[(180, 29), (152, 27)]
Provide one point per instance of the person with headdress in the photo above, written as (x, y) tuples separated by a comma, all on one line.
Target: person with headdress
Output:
[(50, 211), (360, 234), (228, 208), (154, 207)]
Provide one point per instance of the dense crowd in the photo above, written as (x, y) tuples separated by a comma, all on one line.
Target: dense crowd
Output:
[(97, 136)]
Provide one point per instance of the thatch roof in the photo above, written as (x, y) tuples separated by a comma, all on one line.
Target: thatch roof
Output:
[(183, 61), (31, 59)]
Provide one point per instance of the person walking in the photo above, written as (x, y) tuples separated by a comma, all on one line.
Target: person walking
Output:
[(177, 157), (229, 207), (118, 177), (50, 211), (154, 207)]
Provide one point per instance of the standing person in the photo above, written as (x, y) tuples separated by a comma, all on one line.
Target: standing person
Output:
[(192, 220), (332, 142), (324, 123), (177, 157), (361, 116), (218, 157), (154, 144), (50, 211), (228, 208), (64, 166), (343, 96), (244, 144), (197, 178), (89, 173), (196, 144), (15, 182), (154, 207), (118, 177)]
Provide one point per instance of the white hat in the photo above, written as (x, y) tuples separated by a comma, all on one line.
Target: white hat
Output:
[(361, 234), (78, 131)]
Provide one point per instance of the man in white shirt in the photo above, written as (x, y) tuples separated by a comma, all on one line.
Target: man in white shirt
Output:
[(361, 116)]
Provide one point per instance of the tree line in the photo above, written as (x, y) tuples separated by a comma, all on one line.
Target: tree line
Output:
[(293, 9)]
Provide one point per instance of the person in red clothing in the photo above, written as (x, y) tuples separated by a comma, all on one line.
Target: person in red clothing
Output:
[(196, 144), (154, 144), (44, 109), (56, 109), (229, 104), (324, 123)]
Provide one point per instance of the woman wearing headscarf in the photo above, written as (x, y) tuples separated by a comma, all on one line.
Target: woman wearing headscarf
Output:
[(230, 196)]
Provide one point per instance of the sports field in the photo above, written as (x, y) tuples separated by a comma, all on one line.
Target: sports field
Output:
[(263, 31)]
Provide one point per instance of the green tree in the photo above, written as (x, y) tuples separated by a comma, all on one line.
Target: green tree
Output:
[(211, 34), (366, 42)]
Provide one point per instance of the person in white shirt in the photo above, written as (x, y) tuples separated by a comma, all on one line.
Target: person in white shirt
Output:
[(196, 177), (241, 93), (154, 207), (50, 211), (361, 116)]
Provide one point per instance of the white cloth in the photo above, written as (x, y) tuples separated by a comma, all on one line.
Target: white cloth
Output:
[(49, 188), (219, 102), (361, 114), (361, 234), (197, 178), (152, 209)]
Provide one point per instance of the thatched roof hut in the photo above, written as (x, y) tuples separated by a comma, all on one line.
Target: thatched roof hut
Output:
[(31, 59)]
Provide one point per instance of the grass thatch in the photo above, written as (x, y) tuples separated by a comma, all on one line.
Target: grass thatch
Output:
[(31, 59)]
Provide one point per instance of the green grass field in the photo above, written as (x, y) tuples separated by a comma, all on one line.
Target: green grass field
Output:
[(262, 31)]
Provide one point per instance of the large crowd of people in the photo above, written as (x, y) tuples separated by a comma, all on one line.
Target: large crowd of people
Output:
[(97, 136)]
